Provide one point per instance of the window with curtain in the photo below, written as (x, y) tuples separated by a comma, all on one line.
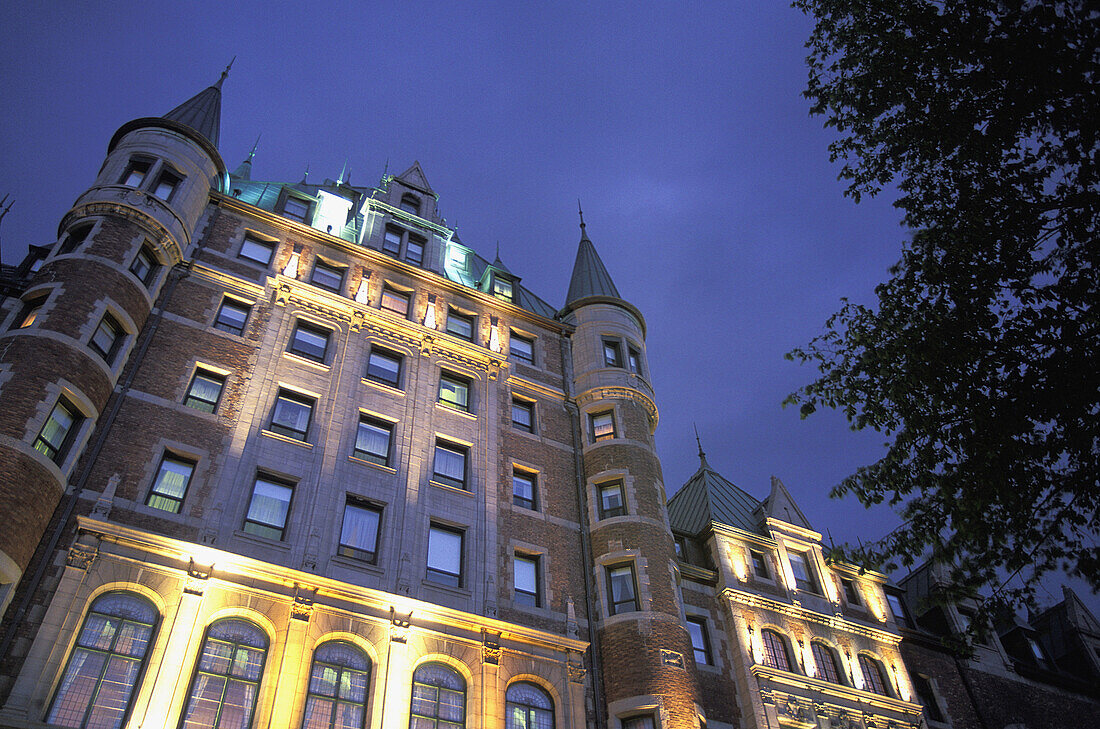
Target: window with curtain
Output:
[(359, 534), (775, 650), (825, 658), (102, 672), (170, 485), (372, 440), (528, 706), (338, 681), (450, 464), (438, 698), (268, 508), (227, 677)]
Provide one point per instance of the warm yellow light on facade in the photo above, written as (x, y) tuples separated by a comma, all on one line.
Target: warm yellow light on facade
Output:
[(494, 338), (362, 294), (429, 314), (739, 563), (291, 268)]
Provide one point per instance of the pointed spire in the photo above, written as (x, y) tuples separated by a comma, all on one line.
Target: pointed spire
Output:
[(590, 276), (203, 111), (702, 456), (584, 233), (343, 171), (244, 169)]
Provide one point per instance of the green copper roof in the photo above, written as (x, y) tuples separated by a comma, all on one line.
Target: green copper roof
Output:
[(708, 497), (590, 277), (202, 112)]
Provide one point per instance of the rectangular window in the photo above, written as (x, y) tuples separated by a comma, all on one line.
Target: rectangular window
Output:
[(166, 185), (522, 349), (523, 415), (372, 440), (385, 367), (232, 316), (523, 489), (309, 341), (296, 209), (395, 301), (205, 391), (256, 250), (170, 484), (60, 429), (136, 172), (851, 592), (760, 564), (28, 314), (291, 415), (622, 590), (107, 338), (526, 578), (327, 276), (391, 242), (602, 426), (414, 250), (445, 555), (612, 353), (268, 509), (76, 237), (359, 534), (634, 360), (450, 464), (502, 288), (804, 578), (460, 325), (897, 608), (144, 265), (454, 391), (639, 722), (926, 697), (700, 641), (611, 499)]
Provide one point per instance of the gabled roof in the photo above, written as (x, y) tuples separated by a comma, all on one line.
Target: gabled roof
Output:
[(780, 505), (414, 177), (202, 112), (708, 497)]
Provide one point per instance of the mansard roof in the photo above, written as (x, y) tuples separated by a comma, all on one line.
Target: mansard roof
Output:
[(708, 497)]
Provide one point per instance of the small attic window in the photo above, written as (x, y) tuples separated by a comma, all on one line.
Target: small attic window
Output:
[(502, 287), (296, 209), (410, 204)]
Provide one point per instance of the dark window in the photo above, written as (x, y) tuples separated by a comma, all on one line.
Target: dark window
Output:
[(309, 341), (205, 391), (359, 534), (232, 316), (166, 185), (926, 697), (445, 555), (851, 592), (622, 589), (438, 698), (414, 250), (104, 666), (384, 366), (775, 650), (77, 236), (679, 544), (170, 484), (395, 301), (825, 658), (612, 353), (526, 578), (454, 391), (523, 489), (700, 641), (136, 172), (327, 276), (391, 242), (760, 564), (227, 677), (804, 578), (29, 312), (897, 608), (523, 415), (410, 204), (337, 693), (634, 360), (874, 678), (107, 338), (460, 325), (291, 415), (372, 440), (57, 435), (296, 209), (256, 250), (522, 348), (640, 722), (602, 426), (268, 509), (144, 265), (611, 499), (450, 464), (528, 706), (502, 288)]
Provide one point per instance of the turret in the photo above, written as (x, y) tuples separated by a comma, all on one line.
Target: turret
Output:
[(645, 650)]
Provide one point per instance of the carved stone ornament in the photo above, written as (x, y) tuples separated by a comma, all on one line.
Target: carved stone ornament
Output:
[(672, 658), (576, 671), (197, 577), (399, 626), (302, 607), (490, 648), (81, 556)]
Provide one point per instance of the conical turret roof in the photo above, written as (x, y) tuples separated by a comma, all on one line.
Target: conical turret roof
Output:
[(202, 112), (590, 276)]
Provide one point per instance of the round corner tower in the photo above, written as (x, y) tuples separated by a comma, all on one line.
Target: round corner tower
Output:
[(645, 650), (66, 341)]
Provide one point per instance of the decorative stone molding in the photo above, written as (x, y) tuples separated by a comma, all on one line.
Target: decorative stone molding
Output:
[(622, 393), (576, 670), (490, 648), (81, 557), (399, 626), (197, 578), (672, 659), (302, 607)]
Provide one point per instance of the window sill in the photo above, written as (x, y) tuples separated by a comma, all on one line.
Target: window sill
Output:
[(456, 591), (286, 439), (386, 469), (261, 541), (312, 363), (456, 411), (358, 564), (384, 387), (448, 487)]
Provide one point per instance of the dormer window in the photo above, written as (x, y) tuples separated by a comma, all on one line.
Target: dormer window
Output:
[(136, 172), (166, 185), (804, 578), (502, 288), (414, 250), (410, 204), (296, 209)]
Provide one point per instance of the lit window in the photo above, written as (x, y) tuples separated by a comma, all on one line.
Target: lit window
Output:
[(851, 592), (611, 499), (622, 589), (528, 706), (395, 301), (612, 353), (445, 555), (760, 564), (309, 341), (639, 722), (372, 441), (874, 678), (291, 415), (75, 238), (926, 697), (502, 288), (460, 325), (327, 276), (107, 338), (256, 250), (337, 692), (526, 577), (897, 609), (522, 349), (634, 360), (100, 677), (602, 426), (523, 415), (450, 464), (28, 314), (825, 659), (391, 242), (205, 391), (144, 265), (523, 489), (456, 258), (232, 315), (804, 578), (227, 677), (59, 431), (454, 391), (700, 641), (170, 485), (136, 172), (296, 209), (268, 508), (166, 185), (414, 250), (438, 698), (775, 650), (384, 366), (359, 534), (410, 204)]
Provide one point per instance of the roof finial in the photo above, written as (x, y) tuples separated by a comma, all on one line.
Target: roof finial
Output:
[(343, 171), (305, 176), (253, 152), (225, 73), (702, 456)]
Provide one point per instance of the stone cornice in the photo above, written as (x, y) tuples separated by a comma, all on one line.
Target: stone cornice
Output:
[(596, 394), (835, 622)]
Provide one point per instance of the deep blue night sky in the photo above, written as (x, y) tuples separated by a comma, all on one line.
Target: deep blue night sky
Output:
[(706, 185)]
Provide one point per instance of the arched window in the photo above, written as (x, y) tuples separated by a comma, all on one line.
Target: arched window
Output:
[(828, 669), (338, 683), (438, 698), (775, 650), (227, 677), (874, 678), (528, 707), (410, 204), (103, 668)]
